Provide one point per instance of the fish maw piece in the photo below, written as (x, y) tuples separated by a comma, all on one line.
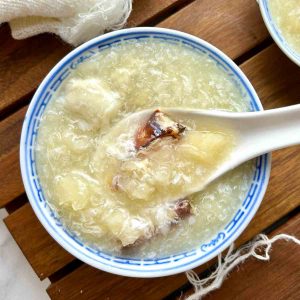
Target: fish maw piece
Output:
[(74, 142), (122, 79), (205, 148), (92, 101), (134, 179), (128, 229), (157, 126), (71, 191)]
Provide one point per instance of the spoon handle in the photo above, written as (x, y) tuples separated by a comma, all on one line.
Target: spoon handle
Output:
[(266, 131)]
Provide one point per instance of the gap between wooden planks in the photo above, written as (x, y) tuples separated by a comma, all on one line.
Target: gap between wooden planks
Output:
[(226, 24), (274, 206)]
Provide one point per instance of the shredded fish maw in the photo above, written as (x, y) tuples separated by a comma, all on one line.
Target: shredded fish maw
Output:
[(157, 126)]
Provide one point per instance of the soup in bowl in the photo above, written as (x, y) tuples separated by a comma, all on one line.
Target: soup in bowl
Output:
[(282, 19), (109, 193)]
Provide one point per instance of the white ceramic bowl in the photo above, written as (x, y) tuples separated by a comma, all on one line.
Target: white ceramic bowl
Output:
[(121, 265), (276, 33)]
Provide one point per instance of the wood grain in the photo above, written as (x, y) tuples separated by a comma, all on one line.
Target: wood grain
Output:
[(10, 177), (234, 26), (24, 64), (283, 193), (276, 204), (277, 279), (275, 78), (34, 241), (149, 10)]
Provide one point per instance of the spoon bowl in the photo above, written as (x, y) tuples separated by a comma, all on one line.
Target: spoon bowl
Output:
[(256, 133)]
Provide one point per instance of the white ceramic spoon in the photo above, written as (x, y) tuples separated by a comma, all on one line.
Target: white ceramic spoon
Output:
[(258, 132)]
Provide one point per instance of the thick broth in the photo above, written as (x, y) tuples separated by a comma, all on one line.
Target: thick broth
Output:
[(76, 154)]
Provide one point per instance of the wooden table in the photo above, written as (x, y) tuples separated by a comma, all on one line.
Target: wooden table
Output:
[(236, 27)]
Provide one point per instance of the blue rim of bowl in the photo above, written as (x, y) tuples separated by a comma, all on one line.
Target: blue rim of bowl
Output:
[(276, 33), (121, 265)]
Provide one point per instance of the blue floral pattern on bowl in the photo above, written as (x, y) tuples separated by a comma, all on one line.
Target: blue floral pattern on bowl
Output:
[(114, 264)]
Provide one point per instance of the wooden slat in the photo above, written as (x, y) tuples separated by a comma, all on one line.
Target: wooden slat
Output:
[(10, 177), (283, 193), (10, 130), (234, 26), (275, 78), (277, 279), (145, 11), (43, 253), (95, 284), (23, 64), (10, 174)]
